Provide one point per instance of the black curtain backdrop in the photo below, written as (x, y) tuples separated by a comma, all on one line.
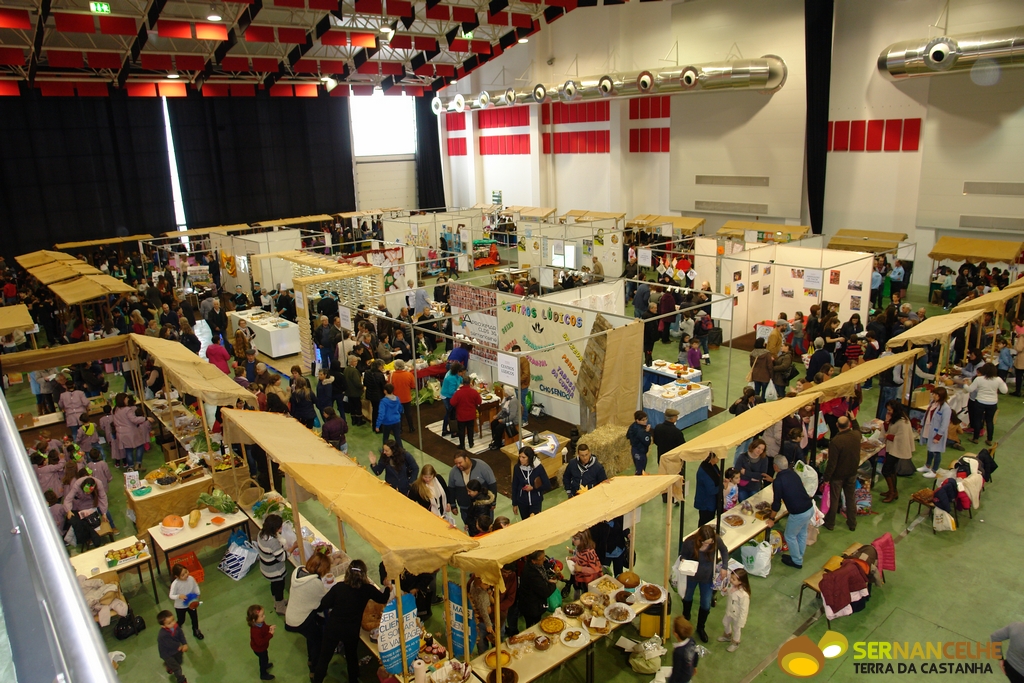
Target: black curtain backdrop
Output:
[(818, 51), (429, 181), (243, 160), (81, 168)]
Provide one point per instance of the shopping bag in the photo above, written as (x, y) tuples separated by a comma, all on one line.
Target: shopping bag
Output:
[(942, 520), (757, 558), (367, 409), (770, 394), (808, 475), (826, 498), (554, 600), (817, 517), (812, 535)]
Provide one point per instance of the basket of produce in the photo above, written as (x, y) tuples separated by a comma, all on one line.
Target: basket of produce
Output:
[(165, 482), (271, 503), (153, 475), (122, 555), (250, 493), (217, 502)]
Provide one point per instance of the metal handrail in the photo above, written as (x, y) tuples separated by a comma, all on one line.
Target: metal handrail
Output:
[(52, 633)]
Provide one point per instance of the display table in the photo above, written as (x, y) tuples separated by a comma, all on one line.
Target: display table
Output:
[(512, 272), (270, 339), (551, 465), (430, 372), (177, 421), (660, 374), (205, 530), (93, 563), (179, 499), (694, 407), (539, 662)]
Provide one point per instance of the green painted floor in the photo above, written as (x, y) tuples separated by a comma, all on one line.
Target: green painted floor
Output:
[(952, 586)]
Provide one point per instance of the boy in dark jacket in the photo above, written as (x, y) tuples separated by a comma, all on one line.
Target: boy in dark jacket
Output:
[(324, 391), (354, 391), (639, 436), (684, 652), (583, 471), (171, 643)]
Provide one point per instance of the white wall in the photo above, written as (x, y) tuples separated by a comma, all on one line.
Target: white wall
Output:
[(386, 182)]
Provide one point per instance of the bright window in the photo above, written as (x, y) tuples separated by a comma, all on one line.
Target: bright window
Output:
[(383, 126)]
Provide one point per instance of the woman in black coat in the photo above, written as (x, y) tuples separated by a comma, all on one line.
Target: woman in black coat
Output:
[(373, 382), (344, 605)]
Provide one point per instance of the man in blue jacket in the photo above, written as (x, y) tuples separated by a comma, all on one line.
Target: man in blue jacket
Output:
[(389, 415), (639, 436), (583, 471)]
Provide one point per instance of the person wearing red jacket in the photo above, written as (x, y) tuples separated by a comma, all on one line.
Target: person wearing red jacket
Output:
[(260, 634), (465, 402)]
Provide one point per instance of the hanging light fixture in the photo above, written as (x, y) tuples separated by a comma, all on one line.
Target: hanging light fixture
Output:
[(214, 15)]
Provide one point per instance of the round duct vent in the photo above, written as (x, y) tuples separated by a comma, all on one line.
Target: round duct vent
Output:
[(484, 98), (436, 106), (570, 90), (606, 85), (940, 54), (540, 93), (645, 82), (689, 78), (509, 97), (460, 103)]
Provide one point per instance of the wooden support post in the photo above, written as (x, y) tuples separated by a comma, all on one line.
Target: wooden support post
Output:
[(632, 541), (668, 564), (447, 611), (270, 470), (465, 616), (293, 502), (401, 626), (202, 417), (341, 535), (497, 635)]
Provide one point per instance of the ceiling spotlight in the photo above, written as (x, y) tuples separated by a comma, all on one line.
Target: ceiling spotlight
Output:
[(452, 82), (330, 83), (324, 79), (524, 41), (214, 15), (174, 74), (387, 31)]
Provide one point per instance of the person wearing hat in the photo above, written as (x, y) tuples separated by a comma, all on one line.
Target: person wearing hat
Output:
[(240, 299), (404, 383), (666, 435), (286, 305), (250, 365)]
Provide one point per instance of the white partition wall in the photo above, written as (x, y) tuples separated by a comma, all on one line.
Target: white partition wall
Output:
[(761, 286), (705, 261), (270, 273), (607, 297)]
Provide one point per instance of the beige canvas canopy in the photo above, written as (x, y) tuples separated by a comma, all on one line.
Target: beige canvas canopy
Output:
[(62, 270), (609, 500), (530, 211), (976, 250), (89, 288), (851, 233), (201, 232), (738, 229), (408, 537), (277, 434), (42, 257), (1016, 284), (15, 318), (191, 374), (844, 383), (684, 224), (580, 216), (991, 302), (874, 246), (724, 438), (298, 220), (82, 352), (935, 328), (97, 243)]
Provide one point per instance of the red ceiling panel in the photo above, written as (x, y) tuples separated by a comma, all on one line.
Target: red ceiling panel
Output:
[(142, 90), (306, 90), (893, 134), (265, 64), (425, 70), (190, 62), (439, 12), (167, 28), (876, 128), (65, 59), (296, 36), (260, 34), (399, 8), (211, 31), (118, 26), (362, 90), (172, 89), (459, 45), (363, 40), (324, 5), (413, 90), (92, 89), (282, 90), (12, 56), (401, 42), (368, 68), (156, 62), (74, 23), (9, 89), (392, 68), (305, 66), (215, 90), (340, 91), (104, 60), (496, 50), (857, 132), (446, 70), (295, 4), (464, 14), (332, 66), (15, 18), (841, 136), (499, 19), (57, 88), (480, 47), (235, 64), (521, 20), (242, 89), (369, 6), (424, 43), (339, 38)]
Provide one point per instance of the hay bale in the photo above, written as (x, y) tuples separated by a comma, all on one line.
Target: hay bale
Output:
[(610, 446)]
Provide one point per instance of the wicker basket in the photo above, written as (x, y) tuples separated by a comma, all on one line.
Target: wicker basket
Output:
[(249, 493)]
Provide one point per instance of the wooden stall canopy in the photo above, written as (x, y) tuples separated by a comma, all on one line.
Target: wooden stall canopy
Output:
[(844, 384), (975, 250), (723, 439), (407, 536), (42, 257), (539, 213), (366, 212), (872, 235), (69, 354), (874, 246), (62, 270), (14, 318), (606, 501), (1016, 284), (99, 243), (487, 208), (191, 374), (89, 288), (325, 263), (298, 220), (933, 329), (684, 224), (200, 232), (284, 436), (991, 302), (737, 229), (580, 216)]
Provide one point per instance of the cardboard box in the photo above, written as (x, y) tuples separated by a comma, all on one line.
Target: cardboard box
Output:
[(920, 398)]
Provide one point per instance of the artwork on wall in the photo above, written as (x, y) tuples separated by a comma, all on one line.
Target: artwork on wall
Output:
[(855, 285), (767, 270), (737, 276), (753, 269), (755, 285), (787, 293), (812, 292), (797, 273), (854, 303), (833, 277), (767, 289), (740, 287)]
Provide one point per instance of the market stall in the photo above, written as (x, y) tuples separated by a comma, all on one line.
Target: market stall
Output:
[(42, 257), (875, 241), (58, 271), (845, 383), (147, 509), (691, 400), (119, 556), (975, 250), (611, 499), (662, 372), (938, 328), (17, 319), (763, 232), (273, 336), (997, 303)]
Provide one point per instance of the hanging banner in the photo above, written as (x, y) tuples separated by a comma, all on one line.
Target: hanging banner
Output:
[(508, 369), (455, 608), (537, 326), (389, 638)]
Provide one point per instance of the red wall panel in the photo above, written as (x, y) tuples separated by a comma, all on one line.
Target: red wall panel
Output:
[(911, 134), (893, 135), (841, 136), (857, 132)]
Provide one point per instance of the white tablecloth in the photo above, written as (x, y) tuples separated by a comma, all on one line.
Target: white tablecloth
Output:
[(692, 376), (693, 400)]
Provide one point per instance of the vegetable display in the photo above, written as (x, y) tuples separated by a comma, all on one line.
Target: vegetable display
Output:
[(219, 500)]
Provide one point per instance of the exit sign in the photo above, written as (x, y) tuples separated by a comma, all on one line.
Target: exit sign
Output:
[(99, 7)]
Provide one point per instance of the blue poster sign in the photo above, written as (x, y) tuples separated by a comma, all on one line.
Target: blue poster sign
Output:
[(455, 606), (389, 638)]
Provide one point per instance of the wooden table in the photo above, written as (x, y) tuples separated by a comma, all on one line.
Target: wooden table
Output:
[(190, 536), (94, 563), (179, 499), (485, 412), (534, 665), (551, 465), (165, 417)]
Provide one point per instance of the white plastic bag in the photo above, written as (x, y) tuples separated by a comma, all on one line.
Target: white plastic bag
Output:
[(817, 517), (942, 520), (770, 394), (808, 476), (757, 558)]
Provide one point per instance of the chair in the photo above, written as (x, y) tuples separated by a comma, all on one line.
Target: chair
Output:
[(924, 498), (104, 529)]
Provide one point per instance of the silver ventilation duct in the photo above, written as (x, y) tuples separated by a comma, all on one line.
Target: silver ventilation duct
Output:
[(765, 75), (947, 54)]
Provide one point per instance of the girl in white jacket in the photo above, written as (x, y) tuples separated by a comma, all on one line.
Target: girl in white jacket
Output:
[(736, 609)]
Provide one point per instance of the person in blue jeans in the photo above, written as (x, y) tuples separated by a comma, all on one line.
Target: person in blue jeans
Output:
[(389, 415), (701, 547), (788, 488), (452, 382), (639, 437)]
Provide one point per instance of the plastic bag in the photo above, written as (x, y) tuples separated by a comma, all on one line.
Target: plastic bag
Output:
[(826, 498), (942, 520), (288, 537), (808, 476), (812, 535), (554, 600), (757, 558), (817, 517), (770, 394), (646, 656)]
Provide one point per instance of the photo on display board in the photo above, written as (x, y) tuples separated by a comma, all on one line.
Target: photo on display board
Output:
[(833, 277), (787, 293), (854, 303), (797, 273), (737, 276), (740, 287), (811, 292), (755, 285), (753, 269), (855, 285), (767, 289), (767, 270)]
